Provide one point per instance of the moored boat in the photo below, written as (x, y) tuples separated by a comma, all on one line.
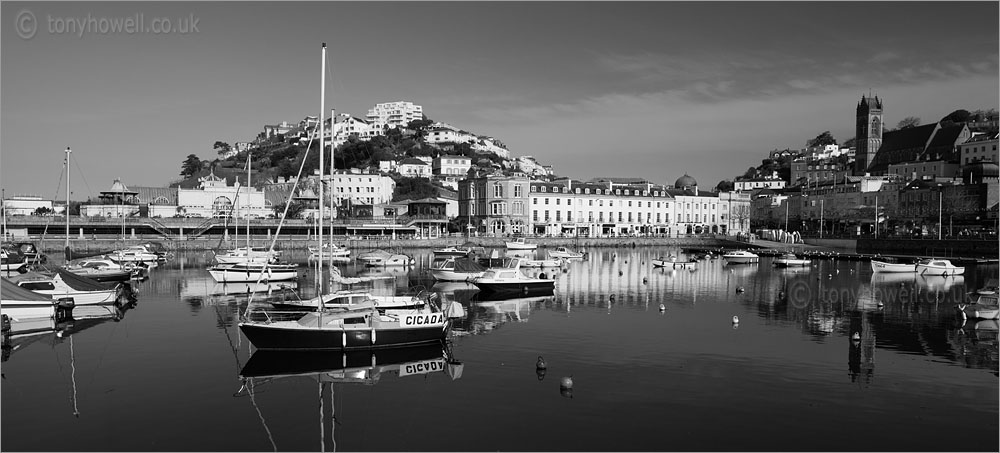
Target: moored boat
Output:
[(564, 253), (790, 260), (63, 284), (456, 269), (351, 300), (674, 263), (740, 257), (938, 267), (511, 281), (520, 244), (20, 303), (242, 255), (451, 251), (252, 272), (885, 266), (984, 307), (527, 262)]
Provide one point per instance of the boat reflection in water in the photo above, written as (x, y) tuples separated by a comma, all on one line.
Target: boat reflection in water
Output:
[(977, 344), (267, 369), (206, 289)]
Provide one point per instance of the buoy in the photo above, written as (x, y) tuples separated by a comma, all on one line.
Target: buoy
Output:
[(611, 298), (856, 336), (663, 307), (736, 319), (620, 273), (566, 383), (644, 280), (739, 289), (540, 372), (540, 364), (880, 304)]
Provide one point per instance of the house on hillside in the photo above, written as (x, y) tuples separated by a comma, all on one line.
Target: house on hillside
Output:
[(414, 167)]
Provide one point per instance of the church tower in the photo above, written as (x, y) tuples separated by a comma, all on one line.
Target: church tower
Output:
[(868, 133)]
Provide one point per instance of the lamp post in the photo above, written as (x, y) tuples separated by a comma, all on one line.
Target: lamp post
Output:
[(876, 217), (940, 191), (786, 214)]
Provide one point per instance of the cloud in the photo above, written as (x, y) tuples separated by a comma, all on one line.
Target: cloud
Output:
[(883, 57)]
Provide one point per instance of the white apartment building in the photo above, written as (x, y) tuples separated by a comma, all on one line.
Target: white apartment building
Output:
[(978, 148), (394, 114), (451, 165), (596, 209), (447, 134), (759, 183), (414, 167), (360, 187)]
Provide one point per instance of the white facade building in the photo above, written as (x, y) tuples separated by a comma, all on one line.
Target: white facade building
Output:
[(27, 205), (978, 148), (360, 187), (451, 165), (394, 114), (414, 167)]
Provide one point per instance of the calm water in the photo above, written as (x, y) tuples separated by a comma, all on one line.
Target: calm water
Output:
[(167, 375)]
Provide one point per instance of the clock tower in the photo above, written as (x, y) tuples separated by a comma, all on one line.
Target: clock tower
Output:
[(868, 133)]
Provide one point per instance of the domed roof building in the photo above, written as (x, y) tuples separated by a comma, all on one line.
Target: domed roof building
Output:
[(979, 172), (685, 182)]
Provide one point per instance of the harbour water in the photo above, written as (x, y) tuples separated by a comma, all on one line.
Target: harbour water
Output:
[(174, 372)]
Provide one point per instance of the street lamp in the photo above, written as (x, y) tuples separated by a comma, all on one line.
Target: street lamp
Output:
[(821, 206), (940, 191)]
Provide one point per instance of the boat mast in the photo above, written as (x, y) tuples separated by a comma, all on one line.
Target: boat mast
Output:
[(248, 202), (67, 200), (322, 108)]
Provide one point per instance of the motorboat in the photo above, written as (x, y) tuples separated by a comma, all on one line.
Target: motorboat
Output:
[(242, 255), (790, 260), (674, 263), (740, 257), (984, 307), (27, 250), (564, 253), (456, 269), (511, 281), (393, 260), (520, 244), (351, 300), (935, 266), (332, 251), (252, 272), (20, 303), (104, 270), (527, 262), (133, 254), (452, 251), (886, 266), (63, 284), (12, 262)]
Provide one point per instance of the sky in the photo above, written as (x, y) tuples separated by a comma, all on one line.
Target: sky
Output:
[(644, 89)]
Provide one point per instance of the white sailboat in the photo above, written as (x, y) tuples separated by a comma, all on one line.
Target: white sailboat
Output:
[(343, 330)]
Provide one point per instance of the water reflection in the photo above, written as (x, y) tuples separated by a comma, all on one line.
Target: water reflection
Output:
[(269, 369)]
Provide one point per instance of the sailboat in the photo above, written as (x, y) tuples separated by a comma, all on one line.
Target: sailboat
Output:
[(249, 264), (343, 330)]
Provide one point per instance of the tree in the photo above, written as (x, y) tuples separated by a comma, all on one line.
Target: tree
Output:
[(958, 116), (850, 143), (408, 188), (294, 209), (724, 186), (190, 166), (42, 210), (751, 173), (822, 140), (221, 147), (908, 122)]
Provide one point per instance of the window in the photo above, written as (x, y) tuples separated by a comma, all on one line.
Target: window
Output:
[(517, 191), (546, 216), (590, 217), (517, 208), (630, 203), (534, 200), (498, 208), (558, 200), (546, 200), (534, 188), (558, 216), (619, 216), (534, 215)]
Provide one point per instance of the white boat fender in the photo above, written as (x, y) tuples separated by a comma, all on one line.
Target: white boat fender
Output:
[(566, 383), (540, 364), (542, 276), (736, 319), (373, 335), (856, 336)]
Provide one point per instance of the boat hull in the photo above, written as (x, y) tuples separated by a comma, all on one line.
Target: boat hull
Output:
[(520, 246), (880, 266), (675, 264), (935, 270), (245, 275), (791, 263), (270, 337), (740, 259), (452, 276), (493, 289)]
